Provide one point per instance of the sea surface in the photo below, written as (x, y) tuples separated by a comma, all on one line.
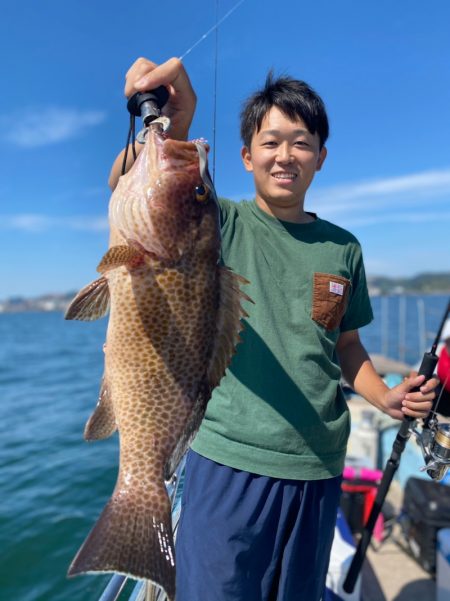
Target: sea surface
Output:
[(52, 483)]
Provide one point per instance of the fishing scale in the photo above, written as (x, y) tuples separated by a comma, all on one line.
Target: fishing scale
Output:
[(146, 105), (434, 442)]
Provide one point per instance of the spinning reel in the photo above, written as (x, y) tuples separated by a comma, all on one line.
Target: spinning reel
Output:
[(434, 442)]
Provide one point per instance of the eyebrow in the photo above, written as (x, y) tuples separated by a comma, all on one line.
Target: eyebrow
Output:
[(274, 132)]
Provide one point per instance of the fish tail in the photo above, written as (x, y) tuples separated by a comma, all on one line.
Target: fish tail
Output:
[(132, 536)]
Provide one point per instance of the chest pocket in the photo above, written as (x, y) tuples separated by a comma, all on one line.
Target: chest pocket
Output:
[(330, 298)]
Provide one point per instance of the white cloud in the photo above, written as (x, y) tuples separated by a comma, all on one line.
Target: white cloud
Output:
[(416, 198), (403, 218), (409, 191), (43, 126), (41, 223), (423, 196)]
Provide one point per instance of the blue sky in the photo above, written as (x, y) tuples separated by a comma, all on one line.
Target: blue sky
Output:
[(383, 69)]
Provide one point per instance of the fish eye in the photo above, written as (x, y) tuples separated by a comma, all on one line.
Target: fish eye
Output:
[(201, 193)]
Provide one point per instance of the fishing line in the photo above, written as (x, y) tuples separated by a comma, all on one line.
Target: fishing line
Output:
[(215, 26), (434, 412), (215, 95), (137, 110)]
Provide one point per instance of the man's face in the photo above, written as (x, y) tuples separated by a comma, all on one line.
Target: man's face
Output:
[(283, 157)]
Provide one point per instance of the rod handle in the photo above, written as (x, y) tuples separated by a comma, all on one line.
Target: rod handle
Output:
[(427, 367)]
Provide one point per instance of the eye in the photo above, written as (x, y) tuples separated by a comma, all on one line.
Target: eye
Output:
[(201, 193)]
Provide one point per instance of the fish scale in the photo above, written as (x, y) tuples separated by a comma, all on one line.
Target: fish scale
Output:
[(175, 317)]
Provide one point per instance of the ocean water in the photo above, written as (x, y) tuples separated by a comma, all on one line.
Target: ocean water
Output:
[(53, 485)]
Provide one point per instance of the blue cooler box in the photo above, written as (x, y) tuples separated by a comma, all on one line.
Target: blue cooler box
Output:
[(443, 565)]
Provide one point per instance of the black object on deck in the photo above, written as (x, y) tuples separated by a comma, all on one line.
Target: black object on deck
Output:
[(426, 509), (427, 367)]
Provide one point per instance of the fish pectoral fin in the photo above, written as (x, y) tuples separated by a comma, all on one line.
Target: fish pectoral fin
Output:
[(229, 323), (92, 302), (120, 255), (102, 422)]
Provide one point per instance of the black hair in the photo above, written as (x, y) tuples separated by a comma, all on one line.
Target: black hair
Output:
[(293, 97)]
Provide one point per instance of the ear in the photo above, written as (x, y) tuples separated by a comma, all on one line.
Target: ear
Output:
[(322, 156), (246, 158)]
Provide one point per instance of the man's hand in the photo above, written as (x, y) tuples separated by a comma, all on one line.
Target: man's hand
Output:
[(145, 75), (400, 401), (362, 377)]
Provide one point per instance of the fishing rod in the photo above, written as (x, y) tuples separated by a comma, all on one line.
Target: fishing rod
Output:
[(434, 441)]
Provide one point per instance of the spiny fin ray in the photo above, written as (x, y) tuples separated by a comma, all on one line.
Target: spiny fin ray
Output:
[(117, 256), (102, 422), (229, 323), (92, 302)]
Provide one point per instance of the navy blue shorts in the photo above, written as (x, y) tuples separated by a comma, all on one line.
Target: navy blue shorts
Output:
[(245, 537)]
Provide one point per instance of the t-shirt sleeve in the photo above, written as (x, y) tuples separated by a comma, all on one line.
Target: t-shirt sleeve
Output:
[(225, 206), (359, 310)]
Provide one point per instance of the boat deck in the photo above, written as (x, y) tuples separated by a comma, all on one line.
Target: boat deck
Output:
[(399, 576), (390, 573)]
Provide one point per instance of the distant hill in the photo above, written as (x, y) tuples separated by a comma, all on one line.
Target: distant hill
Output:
[(423, 283), (46, 302)]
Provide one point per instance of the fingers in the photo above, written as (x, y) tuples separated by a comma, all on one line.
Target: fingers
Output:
[(413, 381), (172, 72), (418, 409), (146, 75), (415, 404), (429, 385), (419, 404), (139, 69)]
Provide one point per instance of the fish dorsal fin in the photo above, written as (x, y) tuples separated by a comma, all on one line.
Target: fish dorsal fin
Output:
[(118, 256), (102, 422), (92, 302), (228, 323)]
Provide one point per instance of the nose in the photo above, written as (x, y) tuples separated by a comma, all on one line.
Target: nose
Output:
[(284, 154)]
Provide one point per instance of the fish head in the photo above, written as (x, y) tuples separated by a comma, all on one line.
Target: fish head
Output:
[(166, 205)]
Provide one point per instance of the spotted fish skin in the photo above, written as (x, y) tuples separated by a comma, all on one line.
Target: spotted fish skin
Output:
[(175, 317)]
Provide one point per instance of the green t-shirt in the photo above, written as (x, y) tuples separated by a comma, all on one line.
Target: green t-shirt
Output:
[(279, 410)]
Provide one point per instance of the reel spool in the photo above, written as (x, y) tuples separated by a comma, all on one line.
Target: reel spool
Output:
[(440, 453)]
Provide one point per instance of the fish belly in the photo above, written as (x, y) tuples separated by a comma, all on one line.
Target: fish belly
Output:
[(159, 339)]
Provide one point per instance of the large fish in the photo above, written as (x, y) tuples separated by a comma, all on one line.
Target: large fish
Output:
[(175, 317)]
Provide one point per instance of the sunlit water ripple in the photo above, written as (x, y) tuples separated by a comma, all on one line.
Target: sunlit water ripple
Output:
[(54, 484)]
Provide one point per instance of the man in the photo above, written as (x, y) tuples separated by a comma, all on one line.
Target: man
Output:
[(263, 479)]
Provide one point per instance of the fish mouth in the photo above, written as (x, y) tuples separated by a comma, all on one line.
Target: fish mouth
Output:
[(180, 151)]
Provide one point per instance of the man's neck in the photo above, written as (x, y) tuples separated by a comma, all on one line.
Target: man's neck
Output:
[(294, 213)]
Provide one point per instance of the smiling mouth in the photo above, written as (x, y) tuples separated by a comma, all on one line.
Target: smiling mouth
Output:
[(282, 176)]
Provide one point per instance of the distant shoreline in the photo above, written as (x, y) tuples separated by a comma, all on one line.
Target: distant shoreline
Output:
[(423, 284)]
